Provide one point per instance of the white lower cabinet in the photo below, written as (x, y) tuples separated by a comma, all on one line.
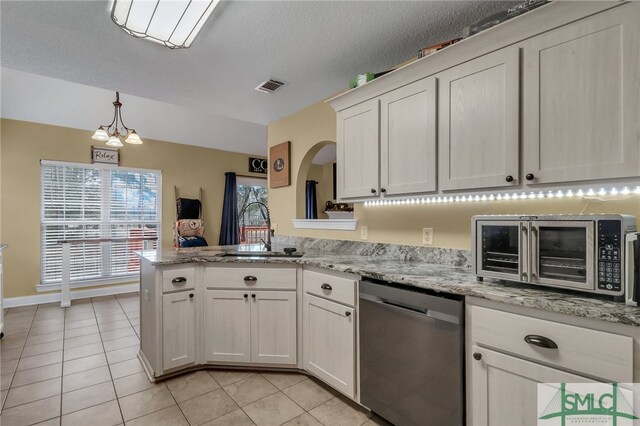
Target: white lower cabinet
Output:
[(178, 329), (509, 354), (273, 327), (505, 388), (227, 326), (250, 326), (329, 337)]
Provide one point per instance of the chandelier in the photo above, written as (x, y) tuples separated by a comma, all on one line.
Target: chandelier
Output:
[(173, 23), (112, 133)]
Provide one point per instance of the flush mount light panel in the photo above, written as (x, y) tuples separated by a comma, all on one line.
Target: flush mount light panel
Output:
[(173, 23)]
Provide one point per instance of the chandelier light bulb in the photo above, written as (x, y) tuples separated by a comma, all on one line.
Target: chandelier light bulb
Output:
[(133, 138), (114, 141), (100, 135)]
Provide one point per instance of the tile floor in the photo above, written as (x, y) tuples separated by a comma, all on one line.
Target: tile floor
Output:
[(78, 366)]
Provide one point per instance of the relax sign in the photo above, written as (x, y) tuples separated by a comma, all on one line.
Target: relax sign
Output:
[(105, 155)]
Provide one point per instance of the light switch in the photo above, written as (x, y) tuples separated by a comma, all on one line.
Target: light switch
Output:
[(427, 236), (364, 232)]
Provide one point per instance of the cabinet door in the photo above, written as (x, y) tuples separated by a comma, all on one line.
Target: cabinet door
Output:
[(504, 388), (273, 327), (581, 99), (478, 113), (227, 326), (358, 154), (408, 139), (178, 329), (329, 342)]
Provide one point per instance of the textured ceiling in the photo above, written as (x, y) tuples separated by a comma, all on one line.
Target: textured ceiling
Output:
[(314, 47)]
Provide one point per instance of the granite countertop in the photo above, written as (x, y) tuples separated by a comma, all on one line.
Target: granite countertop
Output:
[(450, 279)]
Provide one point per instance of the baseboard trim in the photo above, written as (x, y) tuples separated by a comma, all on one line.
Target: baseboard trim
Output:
[(37, 299)]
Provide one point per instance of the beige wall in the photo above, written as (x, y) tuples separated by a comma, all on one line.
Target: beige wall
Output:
[(24, 144), (399, 224), (323, 174)]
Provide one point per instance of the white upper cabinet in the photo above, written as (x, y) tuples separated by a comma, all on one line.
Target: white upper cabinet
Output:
[(581, 97), (358, 156), (478, 122), (408, 139)]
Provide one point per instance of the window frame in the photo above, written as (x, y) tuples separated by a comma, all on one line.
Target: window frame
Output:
[(104, 204)]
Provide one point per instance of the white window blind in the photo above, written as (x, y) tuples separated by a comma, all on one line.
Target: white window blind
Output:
[(84, 201)]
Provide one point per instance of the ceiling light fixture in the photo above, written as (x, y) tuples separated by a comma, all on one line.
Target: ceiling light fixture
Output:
[(172, 23), (112, 133)]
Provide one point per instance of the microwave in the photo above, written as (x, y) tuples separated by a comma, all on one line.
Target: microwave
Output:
[(590, 253)]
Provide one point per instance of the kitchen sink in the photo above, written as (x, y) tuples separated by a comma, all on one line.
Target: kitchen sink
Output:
[(261, 254)]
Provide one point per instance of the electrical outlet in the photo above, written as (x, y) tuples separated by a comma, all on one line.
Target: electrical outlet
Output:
[(364, 232), (427, 236)]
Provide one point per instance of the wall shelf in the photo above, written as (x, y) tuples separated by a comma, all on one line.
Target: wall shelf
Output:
[(335, 224)]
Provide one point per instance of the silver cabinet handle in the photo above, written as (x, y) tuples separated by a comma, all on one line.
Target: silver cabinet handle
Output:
[(326, 286), (179, 280), (250, 279)]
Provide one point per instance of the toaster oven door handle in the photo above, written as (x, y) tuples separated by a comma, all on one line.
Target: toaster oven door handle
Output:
[(534, 250), (632, 266), (525, 268)]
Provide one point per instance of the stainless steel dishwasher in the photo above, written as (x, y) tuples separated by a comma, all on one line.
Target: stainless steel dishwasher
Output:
[(411, 354)]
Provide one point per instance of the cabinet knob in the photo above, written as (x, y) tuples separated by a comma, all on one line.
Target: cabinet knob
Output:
[(250, 279), (347, 313), (529, 176), (253, 296), (477, 356), (383, 190), (246, 296), (509, 178), (373, 190), (191, 295), (326, 286)]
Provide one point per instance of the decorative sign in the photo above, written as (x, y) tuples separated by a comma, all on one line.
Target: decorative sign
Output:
[(279, 165), (258, 165), (105, 155)]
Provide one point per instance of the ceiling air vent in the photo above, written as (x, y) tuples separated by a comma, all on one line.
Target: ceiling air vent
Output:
[(269, 86)]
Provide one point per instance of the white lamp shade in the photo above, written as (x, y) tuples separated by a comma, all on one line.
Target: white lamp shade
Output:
[(174, 23), (100, 135), (114, 141), (133, 138)]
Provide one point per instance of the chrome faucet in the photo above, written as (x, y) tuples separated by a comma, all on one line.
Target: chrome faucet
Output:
[(267, 244)]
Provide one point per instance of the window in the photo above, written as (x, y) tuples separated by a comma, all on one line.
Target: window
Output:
[(253, 222), (89, 201)]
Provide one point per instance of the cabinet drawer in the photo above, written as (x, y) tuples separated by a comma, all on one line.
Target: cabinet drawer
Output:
[(594, 353), (339, 289), (250, 278), (178, 279)]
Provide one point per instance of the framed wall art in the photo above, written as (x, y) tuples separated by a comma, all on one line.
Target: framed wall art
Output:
[(279, 165)]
